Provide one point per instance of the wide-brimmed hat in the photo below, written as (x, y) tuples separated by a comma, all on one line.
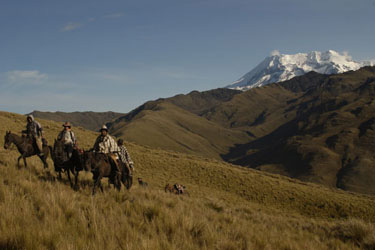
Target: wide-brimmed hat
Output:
[(67, 124), (104, 127)]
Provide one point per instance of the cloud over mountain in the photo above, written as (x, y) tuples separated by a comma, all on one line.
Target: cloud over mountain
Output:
[(281, 67)]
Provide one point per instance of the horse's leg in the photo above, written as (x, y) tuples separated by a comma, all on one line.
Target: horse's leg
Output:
[(76, 179), (44, 160), (18, 161), (101, 186), (70, 180), (118, 182), (24, 161), (96, 178), (130, 181)]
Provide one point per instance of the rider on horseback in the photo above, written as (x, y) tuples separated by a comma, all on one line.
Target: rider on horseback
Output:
[(105, 144), (34, 131), (69, 139)]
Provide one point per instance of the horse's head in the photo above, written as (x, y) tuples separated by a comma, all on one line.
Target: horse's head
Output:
[(88, 160), (78, 158), (7, 140), (58, 151)]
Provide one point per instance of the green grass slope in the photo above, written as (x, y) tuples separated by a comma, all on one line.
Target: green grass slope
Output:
[(162, 124), (229, 207)]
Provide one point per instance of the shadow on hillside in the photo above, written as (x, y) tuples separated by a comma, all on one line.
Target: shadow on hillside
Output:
[(52, 177), (271, 149)]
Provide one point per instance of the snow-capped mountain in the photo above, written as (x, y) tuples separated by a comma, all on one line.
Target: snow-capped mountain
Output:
[(279, 67)]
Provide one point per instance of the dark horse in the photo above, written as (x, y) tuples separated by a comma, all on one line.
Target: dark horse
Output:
[(101, 165), (62, 163), (26, 146)]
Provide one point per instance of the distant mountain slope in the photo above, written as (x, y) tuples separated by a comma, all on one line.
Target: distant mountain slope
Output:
[(89, 120), (314, 127), (161, 124), (328, 138), (282, 67)]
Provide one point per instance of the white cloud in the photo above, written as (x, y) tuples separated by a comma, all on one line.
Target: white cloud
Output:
[(26, 77), (72, 26), (347, 55), (114, 15), (76, 25), (275, 52)]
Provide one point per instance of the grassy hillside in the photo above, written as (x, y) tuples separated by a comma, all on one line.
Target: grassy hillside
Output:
[(161, 124), (88, 120), (229, 207)]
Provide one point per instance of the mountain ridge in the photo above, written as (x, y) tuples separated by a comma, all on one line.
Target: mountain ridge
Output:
[(86, 119)]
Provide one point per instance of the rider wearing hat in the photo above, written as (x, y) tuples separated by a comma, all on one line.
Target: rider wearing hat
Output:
[(68, 137), (105, 144)]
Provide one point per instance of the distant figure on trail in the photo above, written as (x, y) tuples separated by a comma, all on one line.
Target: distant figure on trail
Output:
[(69, 139), (105, 144), (124, 154), (179, 188), (34, 131), (142, 183), (176, 189)]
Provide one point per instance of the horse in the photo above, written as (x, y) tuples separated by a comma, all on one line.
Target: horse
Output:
[(73, 165), (26, 146), (101, 165)]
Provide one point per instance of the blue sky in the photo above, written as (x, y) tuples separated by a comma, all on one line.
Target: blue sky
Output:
[(116, 54)]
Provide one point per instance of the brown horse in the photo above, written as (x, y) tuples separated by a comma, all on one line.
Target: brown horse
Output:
[(73, 165), (26, 146), (101, 165)]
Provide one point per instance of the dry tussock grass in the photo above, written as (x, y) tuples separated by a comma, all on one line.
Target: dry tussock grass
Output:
[(229, 207)]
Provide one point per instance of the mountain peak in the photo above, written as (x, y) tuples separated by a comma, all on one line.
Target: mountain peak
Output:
[(281, 67)]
